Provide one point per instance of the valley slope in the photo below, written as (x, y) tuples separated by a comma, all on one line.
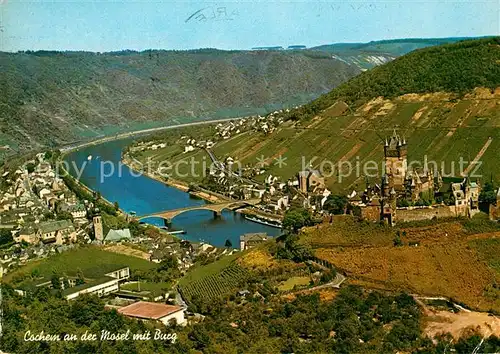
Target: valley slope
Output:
[(51, 98), (444, 100)]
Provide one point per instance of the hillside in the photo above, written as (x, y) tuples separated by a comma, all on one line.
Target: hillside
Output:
[(451, 259), (49, 98), (365, 55), (56, 97), (461, 122), (394, 47), (457, 67), (442, 127)]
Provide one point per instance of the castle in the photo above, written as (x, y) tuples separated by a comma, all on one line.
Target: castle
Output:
[(402, 187), (399, 180)]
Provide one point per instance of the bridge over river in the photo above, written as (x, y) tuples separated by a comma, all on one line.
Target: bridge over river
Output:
[(217, 208)]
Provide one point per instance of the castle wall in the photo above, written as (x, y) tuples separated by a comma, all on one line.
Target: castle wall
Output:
[(370, 213), (428, 213)]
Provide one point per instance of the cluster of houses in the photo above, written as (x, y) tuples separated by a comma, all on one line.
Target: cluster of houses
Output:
[(30, 195), (266, 124), (31, 198), (185, 252), (226, 130)]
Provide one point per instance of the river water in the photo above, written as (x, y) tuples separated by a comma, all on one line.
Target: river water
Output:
[(145, 195)]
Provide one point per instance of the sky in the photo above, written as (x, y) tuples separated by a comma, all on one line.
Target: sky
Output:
[(97, 25)]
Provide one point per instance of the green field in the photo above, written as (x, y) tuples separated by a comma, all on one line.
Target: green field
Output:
[(213, 280), (147, 287), (91, 261), (199, 273), (290, 283)]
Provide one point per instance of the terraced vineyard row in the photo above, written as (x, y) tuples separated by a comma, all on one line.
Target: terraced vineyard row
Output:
[(214, 285)]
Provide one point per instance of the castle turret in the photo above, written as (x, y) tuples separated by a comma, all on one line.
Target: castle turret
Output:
[(395, 153)]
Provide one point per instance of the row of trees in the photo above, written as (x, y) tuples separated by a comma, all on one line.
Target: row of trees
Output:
[(355, 321)]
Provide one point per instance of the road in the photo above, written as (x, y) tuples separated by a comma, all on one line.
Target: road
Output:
[(77, 146)]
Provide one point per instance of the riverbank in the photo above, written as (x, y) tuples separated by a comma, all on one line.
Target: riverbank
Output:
[(255, 212), (206, 195)]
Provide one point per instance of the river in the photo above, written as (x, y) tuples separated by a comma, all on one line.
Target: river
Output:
[(145, 195)]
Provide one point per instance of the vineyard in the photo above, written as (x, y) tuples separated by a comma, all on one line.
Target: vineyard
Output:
[(214, 285)]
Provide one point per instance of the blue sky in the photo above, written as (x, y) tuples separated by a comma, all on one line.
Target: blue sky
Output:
[(97, 25)]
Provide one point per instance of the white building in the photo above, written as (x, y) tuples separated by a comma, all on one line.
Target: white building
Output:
[(108, 284), (105, 287)]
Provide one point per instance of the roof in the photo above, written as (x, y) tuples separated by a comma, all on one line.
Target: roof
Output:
[(73, 208), (52, 226), (308, 173), (258, 236), (356, 198), (149, 310), (88, 284), (27, 230), (117, 235), (394, 141)]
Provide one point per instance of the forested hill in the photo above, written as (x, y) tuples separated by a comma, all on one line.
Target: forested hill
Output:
[(49, 98), (55, 97), (458, 67), (395, 47)]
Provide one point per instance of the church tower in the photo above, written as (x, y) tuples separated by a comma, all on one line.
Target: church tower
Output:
[(395, 159), (98, 231)]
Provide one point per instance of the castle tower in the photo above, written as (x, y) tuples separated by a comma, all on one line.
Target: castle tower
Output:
[(396, 164), (98, 231)]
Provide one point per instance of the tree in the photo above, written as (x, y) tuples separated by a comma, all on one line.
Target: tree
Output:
[(488, 193), (336, 204), (295, 219), (5, 236), (169, 262), (117, 206), (64, 215), (80, 279), (48, 215), (228, 244), (55, 281), (30, 167), (402, 203), (397, 240)]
